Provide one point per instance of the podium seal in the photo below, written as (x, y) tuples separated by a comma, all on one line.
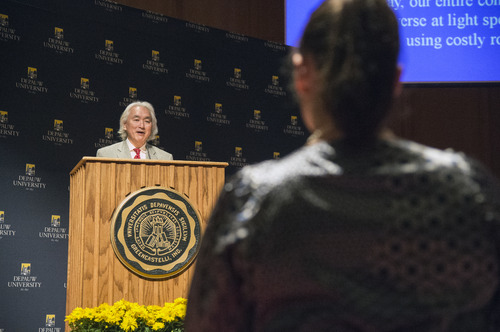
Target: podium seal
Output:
[(155, 232)]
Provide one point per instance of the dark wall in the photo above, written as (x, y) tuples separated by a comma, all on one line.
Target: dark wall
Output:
[(465, 119), (264, 19)]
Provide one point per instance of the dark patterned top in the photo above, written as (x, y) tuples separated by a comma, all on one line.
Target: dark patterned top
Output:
[(391, 237)]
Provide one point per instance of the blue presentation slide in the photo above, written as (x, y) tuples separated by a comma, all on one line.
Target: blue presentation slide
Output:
[(442, 41)]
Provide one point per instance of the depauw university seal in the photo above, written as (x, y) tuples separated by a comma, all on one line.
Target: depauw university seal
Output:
[(155, 232)]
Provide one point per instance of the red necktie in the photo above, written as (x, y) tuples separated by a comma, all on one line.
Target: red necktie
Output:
[(137, 153)]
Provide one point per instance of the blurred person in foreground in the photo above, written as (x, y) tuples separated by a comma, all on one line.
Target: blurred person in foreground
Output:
[(358, 230), (138, 125)]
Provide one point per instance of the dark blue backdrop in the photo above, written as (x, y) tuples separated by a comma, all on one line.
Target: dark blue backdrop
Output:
[(68, 69)]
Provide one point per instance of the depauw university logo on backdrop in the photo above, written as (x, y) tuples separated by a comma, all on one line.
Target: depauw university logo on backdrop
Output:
[(236, 81), (238, 160), (217, 117), (31, 83), (293, 128), (58, 125), (132, 92), (196, 73), (84, 83), (130, 98), (106, 140), (50, 320), (256, 123), (7, 129), (277, 47), (25, 269), (30, 169), (257, 114), (177, 101), (275, 80), (4, 117), (154, 17), (4, 20), (58, 33), (108, 54), (155, 55), (29, 181), (108, 133), (25, 280), (57, 135), (274, 88), (83, 92), (5, 227), (54, 232), (176, 110), (108, 5), (197, 27), (154, 65), (55, 221), (32, 73), (197, 154), (57, 42), (155, 232), (237, 37), (7, 33), (109, 45), (156, 140), (238, 152), (50, 324)]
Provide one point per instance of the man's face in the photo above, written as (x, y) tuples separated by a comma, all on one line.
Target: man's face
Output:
[(138, 126)]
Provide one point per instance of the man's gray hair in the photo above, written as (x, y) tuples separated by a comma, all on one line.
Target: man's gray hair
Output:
[(123, 119)]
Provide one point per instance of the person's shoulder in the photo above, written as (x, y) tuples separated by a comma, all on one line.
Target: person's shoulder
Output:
[(161, 154), (433, 158), (307, 161), (449, 167), (276, 181), (111, 147), (104, 151)]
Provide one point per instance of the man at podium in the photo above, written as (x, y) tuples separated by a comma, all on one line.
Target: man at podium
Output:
[(138, 125)]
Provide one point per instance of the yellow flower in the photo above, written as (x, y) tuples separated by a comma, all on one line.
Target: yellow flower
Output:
[(129, 323), (75, 315), (127, 316), (157, 326)]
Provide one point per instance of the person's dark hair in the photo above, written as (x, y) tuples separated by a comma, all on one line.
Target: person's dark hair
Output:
[(355, 46)]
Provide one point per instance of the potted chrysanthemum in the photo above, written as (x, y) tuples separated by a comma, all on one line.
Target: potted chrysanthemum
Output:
[(124, 316)]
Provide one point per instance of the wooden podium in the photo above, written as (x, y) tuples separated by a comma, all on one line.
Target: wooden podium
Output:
[(97, 187)]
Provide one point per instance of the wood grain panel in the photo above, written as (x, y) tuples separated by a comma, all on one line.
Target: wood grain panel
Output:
[(88, 240), (75, 288)]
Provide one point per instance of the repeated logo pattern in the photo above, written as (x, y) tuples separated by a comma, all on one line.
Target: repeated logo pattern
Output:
[(218, 96)]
